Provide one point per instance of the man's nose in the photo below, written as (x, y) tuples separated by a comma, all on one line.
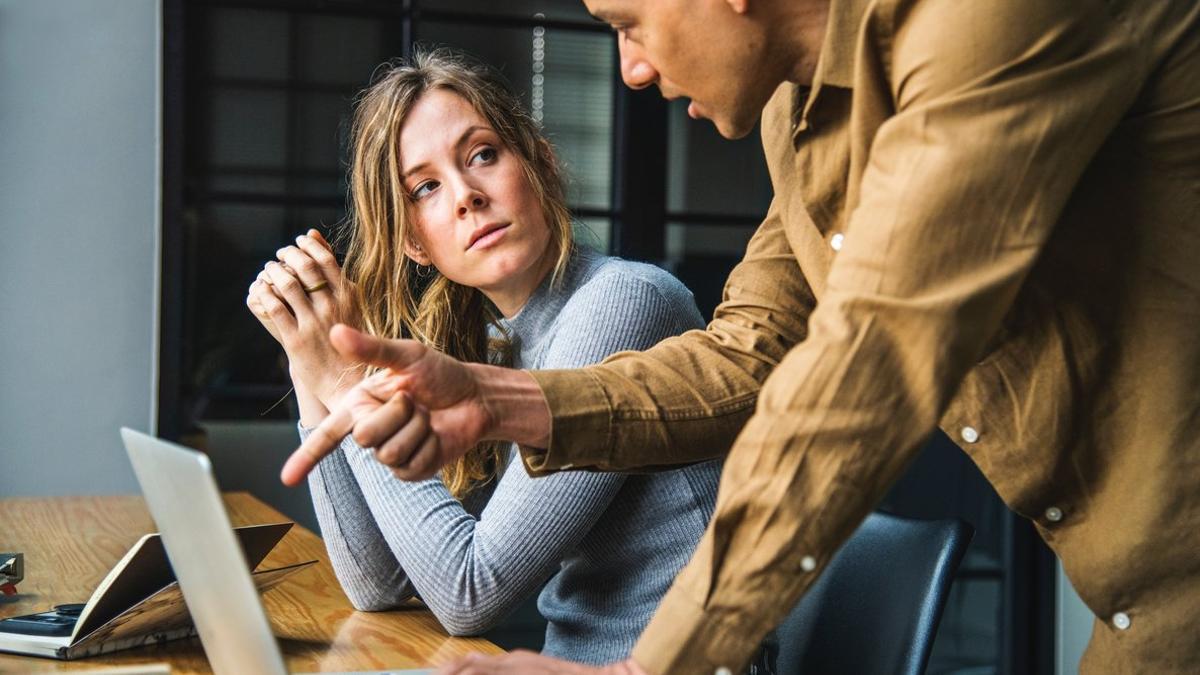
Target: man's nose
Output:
[(636, 71)]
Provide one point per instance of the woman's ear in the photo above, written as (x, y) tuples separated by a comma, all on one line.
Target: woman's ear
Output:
[(416, 253)]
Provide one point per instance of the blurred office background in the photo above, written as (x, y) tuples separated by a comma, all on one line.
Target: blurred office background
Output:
[(158, 152)]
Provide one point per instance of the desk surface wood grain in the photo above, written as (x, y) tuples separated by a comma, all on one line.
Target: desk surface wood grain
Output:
[(70, 544)]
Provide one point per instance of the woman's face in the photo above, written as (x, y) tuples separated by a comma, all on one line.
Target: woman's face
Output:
[(475, 216)]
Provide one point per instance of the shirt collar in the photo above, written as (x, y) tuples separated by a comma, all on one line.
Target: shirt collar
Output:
[(835, 65)]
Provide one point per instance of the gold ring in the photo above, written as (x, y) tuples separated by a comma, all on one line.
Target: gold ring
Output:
[(316, 287)]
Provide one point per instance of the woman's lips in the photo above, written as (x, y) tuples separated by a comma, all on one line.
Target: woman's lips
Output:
[(694, 111), (489, 239)]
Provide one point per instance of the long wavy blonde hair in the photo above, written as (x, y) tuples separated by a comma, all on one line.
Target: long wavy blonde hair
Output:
[(396, 297)]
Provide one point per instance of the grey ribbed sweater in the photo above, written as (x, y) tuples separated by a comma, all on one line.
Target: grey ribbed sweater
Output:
[(610, 544)]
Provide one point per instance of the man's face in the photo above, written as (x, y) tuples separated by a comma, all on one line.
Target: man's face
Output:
[(699, 49)]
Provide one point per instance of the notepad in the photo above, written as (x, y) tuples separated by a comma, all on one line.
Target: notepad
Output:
[(138, 602)]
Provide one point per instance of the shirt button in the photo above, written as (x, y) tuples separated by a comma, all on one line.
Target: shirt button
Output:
[(835, 242), (1054, 514), (1121, 620), (808, 563), (969, 434)]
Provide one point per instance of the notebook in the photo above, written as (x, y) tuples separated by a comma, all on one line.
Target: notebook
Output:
[(138, 603)]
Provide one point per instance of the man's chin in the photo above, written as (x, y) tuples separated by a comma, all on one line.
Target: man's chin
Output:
[(735, 124), (734, 129)]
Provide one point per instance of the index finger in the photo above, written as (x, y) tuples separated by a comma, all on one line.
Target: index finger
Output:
[(316, 234), (326, 437)]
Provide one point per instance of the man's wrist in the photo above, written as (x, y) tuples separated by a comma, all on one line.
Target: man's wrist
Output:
[(685, 637), (629, 667), (516, 408)]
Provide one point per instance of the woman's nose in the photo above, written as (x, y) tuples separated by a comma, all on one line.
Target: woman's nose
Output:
[(471, 200)]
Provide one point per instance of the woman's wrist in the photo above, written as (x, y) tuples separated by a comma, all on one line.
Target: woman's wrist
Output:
[(320, 392), (337, 384), (515, 406), (311, 409)]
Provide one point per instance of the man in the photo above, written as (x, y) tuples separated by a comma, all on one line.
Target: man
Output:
[(985, 216)]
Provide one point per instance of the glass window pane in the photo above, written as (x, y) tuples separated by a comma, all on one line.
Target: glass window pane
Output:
[(710, 174), (227, 344), (565, 78), (573, 98), (594, 233), (684, 240), (322, 123), (253, 44), (247, 128), (558, 10), (702, 257), (324, 219), (339, 50), (330, 187), (507, 49), (247, 183), (243, 230), (968, 634)]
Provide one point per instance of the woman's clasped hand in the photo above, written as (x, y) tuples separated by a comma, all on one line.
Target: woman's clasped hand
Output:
[(298, 298)]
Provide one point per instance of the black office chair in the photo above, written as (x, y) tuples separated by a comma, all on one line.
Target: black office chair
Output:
[(875, 609)]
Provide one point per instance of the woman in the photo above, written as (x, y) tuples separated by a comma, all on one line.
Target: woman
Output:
[(460, 235)]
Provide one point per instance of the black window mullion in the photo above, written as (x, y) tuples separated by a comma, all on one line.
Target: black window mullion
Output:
[(170, 314), (639, 178)]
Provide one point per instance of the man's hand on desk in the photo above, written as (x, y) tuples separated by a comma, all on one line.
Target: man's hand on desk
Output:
[(424, 410), (522, 662)]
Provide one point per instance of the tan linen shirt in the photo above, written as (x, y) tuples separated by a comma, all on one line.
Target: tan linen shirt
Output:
[(986, 214)]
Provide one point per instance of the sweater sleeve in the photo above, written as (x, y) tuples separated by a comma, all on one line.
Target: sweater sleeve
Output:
[(368, 572), (370, 575), (472, 571)]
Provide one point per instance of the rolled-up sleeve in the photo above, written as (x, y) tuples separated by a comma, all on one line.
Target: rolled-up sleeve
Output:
[(685, 399), (998, 108)]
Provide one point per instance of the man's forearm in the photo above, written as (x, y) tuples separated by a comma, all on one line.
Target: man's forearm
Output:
[(516, 408), (684, 399)]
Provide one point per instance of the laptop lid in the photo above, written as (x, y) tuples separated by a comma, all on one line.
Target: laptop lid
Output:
[(183, 498)]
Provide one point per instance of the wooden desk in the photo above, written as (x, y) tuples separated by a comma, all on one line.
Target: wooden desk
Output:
[(70, 543)]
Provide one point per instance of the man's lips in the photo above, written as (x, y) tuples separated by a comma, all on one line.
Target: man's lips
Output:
[(486, 234)]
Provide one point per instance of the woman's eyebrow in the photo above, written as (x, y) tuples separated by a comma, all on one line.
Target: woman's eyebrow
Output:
[(467, 133), (462, 139)]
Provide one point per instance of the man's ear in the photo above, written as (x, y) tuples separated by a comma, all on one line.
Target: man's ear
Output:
[(416, 253), (739, 6)]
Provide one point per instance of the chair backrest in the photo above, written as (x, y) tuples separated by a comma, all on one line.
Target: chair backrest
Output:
[(876, 607)]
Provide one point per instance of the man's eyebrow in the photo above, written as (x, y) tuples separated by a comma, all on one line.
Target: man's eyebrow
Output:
[(610, 18), (461, 139)]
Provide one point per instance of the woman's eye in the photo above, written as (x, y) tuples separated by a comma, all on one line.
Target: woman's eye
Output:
[(424, 189), (484, 156)]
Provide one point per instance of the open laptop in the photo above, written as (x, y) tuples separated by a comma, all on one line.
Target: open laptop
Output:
[(182, 495)]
